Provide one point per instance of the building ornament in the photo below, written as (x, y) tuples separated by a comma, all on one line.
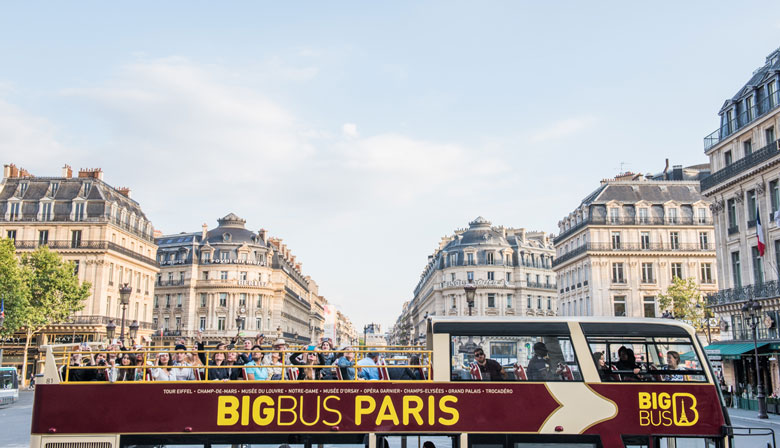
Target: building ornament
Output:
[(480, 282)]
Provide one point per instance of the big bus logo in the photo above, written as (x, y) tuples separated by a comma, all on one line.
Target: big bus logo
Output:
[(663, 409)]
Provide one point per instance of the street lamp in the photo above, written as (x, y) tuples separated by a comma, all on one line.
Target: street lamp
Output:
[(751, 310), (471, 290), (124, 298), (110, 330), (133, 330)]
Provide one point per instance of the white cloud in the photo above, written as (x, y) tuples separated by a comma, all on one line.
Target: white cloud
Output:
[(26, 137), (349, 130), (563, 128)]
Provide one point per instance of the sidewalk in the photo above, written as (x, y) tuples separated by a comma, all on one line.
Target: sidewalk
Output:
[(740, 417)]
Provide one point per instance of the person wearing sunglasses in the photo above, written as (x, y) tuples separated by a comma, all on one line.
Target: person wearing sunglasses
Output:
[(489, 370)]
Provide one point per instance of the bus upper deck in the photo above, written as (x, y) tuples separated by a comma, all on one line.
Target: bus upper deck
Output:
[(590, 381)]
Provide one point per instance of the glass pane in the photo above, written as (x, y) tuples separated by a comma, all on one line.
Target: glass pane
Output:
[(417, 441), (519, 358), (656, 358)]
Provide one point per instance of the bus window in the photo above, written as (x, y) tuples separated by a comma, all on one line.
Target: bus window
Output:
[(533, 441), (246, 440), (418, 441), (656, 358), (669, 442), (513, 358)]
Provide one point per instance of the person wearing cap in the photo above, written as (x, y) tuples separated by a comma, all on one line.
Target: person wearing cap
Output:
[(367, 372), (490, 369), (539, 368), (182, 370)]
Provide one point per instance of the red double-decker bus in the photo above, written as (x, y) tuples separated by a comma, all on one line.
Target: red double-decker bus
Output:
[(491, 383)]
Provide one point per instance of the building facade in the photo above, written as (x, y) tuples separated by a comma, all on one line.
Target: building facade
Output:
[(745, 164), (511, 268), (626, 241), (230, 278), (96, 226)]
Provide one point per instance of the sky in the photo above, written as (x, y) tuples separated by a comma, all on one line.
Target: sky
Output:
[(361, 133)]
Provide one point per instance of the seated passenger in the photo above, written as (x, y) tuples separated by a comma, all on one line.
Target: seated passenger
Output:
[(125, 371), (627, 362), (162, 368), (673, 363), (346, 364), (182, 370), (308, 358), (254, 373), (367, 372), (539, 368), (486, 369), (601, 366)]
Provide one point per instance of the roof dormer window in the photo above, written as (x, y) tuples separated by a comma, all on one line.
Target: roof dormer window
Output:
[(46, 211), (14, 211), (55, 186), (79, 211), (23, 188), (87, 188)]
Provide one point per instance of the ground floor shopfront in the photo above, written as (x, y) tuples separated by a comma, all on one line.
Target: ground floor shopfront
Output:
[(735, 364)]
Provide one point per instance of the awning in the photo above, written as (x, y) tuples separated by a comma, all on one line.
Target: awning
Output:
[(731, 351)]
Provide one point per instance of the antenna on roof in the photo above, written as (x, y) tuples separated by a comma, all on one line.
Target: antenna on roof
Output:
[(622, 165)]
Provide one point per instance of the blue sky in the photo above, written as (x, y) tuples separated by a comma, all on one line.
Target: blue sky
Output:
[(362, 133)]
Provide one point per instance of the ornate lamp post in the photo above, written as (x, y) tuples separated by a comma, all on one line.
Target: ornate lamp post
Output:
[(124, 298), (471, 290), (133, 330), (751, 310), (110, 330)]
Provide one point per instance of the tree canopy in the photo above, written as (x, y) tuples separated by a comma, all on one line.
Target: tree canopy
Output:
[(683, 298), (39, 289)]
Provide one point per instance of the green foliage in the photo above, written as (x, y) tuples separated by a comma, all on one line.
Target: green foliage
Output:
[(682, 298), (13, 288), (41, 289)]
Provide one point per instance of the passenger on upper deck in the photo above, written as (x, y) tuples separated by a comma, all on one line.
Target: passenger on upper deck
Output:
[(601, 366), (308, 358), (256, 373), (346, 363), (366, 372), (673, 363), (328, 357), (627, 362), (182, 370), (162, 371), (489, 369), (74, 372), (125, 371)]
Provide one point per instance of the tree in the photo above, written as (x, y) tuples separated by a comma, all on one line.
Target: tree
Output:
[(12, 284), (50, 294), (684, 300)]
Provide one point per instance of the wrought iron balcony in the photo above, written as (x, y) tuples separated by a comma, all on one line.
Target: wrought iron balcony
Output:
[(740, 166), (60, 245), (170, 282), (744, 293), (636, 221), (733, 230), (634, 247), (740, 121), (540, 285)]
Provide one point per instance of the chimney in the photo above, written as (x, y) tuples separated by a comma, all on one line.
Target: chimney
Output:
[(666, 169), (9, 171), (94, 173), (67, 171), (123, 190), (677, 172), (204, 232), (262, 234)]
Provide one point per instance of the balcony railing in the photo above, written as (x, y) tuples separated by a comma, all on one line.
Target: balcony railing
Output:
[(540, 285), (83, 245), (99, 220), (740, 166), (740, 121), (634, 247), (744, 293), (170, 282), (103, 320), (636, 221)]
